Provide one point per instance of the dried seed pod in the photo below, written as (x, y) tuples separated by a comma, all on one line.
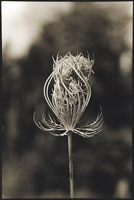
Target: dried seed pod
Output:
[(70, 96)]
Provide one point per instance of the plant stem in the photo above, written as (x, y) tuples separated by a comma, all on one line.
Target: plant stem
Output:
[(70, 164)]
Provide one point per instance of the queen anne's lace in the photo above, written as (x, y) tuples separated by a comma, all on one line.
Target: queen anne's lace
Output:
[(70, 96)]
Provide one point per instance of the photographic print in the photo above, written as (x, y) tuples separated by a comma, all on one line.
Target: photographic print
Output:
[(67, 99)]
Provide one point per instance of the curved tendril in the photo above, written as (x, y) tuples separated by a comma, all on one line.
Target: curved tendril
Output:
[(99, 120), (92, 129), (65, 86), (79, 109), (88, 88), (60, 134), (86, 84), (40, 126), (86, 134), (46, 88)]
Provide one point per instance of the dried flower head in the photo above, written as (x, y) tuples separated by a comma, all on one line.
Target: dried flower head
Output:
[(69, 97)]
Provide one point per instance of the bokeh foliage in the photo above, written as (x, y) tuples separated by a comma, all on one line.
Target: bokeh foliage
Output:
[(39, 160)]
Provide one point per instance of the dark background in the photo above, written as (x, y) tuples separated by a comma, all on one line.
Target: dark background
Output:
[(35, 163)]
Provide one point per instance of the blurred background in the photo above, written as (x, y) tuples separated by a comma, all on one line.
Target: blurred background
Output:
[(35, 163)]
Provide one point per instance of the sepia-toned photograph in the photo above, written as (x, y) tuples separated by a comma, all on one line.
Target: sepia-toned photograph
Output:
[(67, 99)]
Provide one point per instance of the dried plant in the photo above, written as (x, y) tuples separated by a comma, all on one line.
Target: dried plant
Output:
[(68, 99)]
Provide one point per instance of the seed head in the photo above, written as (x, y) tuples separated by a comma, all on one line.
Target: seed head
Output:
[(69, 97)]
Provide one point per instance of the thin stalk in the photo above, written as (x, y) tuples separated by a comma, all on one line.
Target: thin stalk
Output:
[(70, 164)]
